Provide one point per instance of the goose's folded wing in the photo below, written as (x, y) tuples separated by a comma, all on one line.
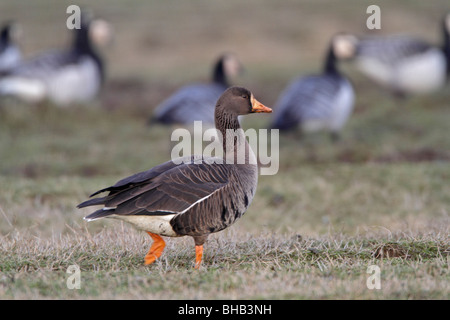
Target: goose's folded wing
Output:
[(165, 189), (28, 79), (307, 97), (393, 48), (43, 65)]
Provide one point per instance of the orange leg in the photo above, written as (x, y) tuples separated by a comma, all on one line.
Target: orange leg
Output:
[(198, 256), (156, 249)]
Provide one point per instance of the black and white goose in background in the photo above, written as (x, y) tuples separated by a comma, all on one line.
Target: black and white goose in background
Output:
[(64, 77), (10, 53), (196, 102), (317, 102), (403, 64), (193, 196)]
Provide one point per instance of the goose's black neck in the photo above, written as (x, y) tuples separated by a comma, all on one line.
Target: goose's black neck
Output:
[(81, 42), (5, 37), (82, 46), (330, 62), (446, 47), (219, 75)]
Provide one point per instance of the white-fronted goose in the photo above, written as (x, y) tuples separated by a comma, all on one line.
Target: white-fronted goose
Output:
[(194, 196), (10, 53), (401, 63), (196, 102), (316, 102), (62, 76)]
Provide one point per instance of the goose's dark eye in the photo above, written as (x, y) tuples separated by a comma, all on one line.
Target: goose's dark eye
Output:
[(245, 96)]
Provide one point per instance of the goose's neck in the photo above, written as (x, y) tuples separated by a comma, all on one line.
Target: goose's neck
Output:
[(81, 40), (446, 47), (330, 62), (235, 146), (82, 46), (219, 75), (4, 36)]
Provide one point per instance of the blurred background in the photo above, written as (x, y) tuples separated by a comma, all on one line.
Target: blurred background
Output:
[(169, 43), (390, 166)]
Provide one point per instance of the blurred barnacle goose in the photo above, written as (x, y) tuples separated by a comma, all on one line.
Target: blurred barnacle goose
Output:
[(317, 102), (10, 53), (196, 102), (401, 63), (62, 76)]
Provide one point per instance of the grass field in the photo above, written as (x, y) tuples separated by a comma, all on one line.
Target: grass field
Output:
[(380, 196)]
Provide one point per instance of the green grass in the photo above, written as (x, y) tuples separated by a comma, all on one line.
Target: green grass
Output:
[(379, 196)]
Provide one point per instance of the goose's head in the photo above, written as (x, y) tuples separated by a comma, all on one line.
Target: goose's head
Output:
[(237, 101), (226, 67), (231, 65), (100, 33), (344, 46), (447, 24)]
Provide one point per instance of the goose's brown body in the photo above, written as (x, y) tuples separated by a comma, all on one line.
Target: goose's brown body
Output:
[(194, 197)]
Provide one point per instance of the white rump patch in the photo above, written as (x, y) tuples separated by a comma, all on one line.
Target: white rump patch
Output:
[(154, 224)]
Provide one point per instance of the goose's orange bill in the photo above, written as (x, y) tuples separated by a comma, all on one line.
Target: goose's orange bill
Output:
[(258, 107)]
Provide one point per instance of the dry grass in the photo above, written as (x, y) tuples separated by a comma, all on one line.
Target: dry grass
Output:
[(237, 265)]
